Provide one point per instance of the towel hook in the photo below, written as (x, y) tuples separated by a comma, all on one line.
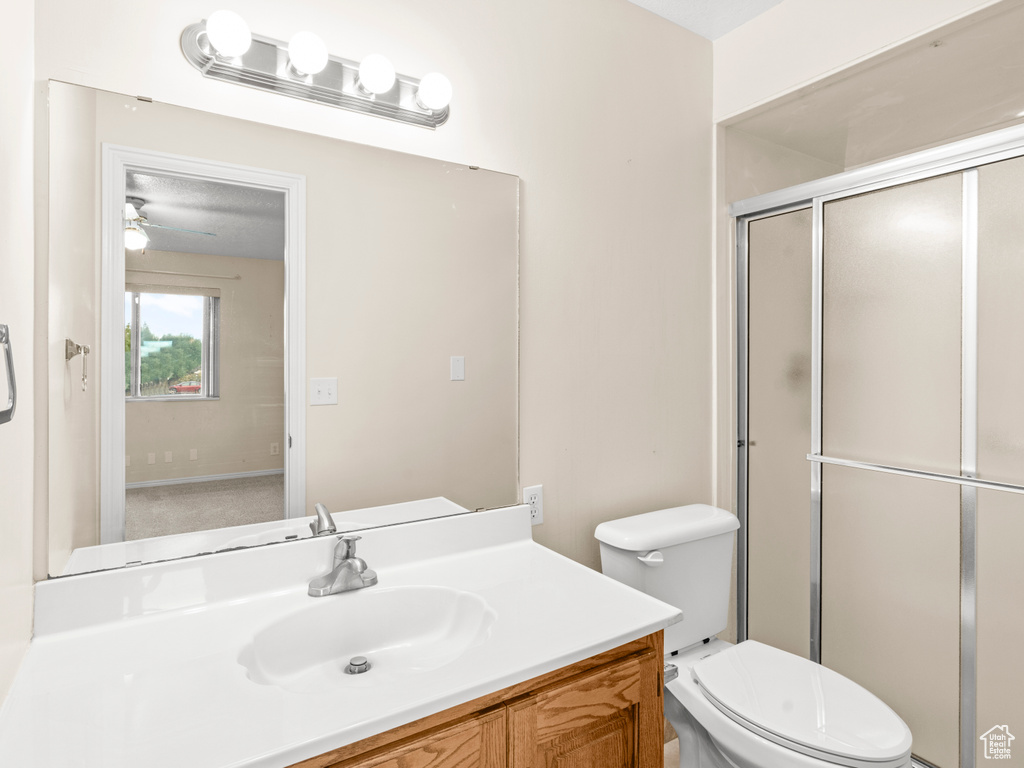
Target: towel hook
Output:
[(12, 397), (71, 349)]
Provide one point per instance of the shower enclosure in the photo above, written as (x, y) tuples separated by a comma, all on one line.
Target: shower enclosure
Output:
[(881, 444)]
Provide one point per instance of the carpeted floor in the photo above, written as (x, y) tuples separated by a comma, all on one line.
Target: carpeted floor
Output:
[(165, 509)]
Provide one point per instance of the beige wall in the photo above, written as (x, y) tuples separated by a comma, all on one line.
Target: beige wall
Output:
[(234, 433), (71, 305), (800, 41), (17, 454), (615, 306)]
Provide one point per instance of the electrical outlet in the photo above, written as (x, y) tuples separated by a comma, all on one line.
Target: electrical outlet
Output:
[(168, 457), (151, 458), (275, 449), (534, 496), (193, 454)]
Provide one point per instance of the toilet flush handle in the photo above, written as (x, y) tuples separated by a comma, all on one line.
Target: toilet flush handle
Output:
[(654, 558)]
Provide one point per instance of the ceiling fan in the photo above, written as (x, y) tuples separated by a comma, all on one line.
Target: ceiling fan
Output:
[(135, 238)]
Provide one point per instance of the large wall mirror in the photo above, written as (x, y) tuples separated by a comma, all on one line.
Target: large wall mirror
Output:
[(222, 307)]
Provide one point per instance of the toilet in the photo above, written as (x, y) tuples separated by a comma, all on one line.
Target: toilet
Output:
[(747, 705)]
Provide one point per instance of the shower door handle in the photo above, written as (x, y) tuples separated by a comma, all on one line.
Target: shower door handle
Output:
[(12, 398)]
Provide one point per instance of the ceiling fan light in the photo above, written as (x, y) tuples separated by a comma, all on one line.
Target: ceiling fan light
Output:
[(376, 74), (228, 33), (134, 238), (130, 214)]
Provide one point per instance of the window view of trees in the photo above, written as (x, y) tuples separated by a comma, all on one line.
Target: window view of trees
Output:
[(171, 360)]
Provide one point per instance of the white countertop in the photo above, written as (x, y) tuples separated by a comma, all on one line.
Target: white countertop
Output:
[(150, 675)]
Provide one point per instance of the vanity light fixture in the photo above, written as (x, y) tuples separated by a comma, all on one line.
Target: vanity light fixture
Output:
[(228, 34), (223, 48), (307, 53), (376, 75)]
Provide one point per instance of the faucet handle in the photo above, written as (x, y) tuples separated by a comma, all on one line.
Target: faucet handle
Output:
[(346, 547), (324, 523)]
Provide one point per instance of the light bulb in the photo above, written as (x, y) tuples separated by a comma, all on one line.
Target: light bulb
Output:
[(435, 92), (134, 238), (228, 33), (376, 74), (307, 53)]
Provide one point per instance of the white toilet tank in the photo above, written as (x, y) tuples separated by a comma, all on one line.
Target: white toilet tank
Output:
[(682, 556)]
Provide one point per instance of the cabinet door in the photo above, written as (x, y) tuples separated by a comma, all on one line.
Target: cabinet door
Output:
[(475, 743), (608, 718)]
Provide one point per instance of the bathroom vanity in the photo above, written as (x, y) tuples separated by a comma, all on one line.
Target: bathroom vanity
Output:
[(602, 712), (485, 649)]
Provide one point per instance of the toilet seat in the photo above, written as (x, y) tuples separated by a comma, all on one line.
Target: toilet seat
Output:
[(802, 706)]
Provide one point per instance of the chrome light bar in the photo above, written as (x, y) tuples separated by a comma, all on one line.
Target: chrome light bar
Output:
[(265, 65)]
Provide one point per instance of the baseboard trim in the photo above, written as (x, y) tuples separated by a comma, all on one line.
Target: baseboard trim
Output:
[(203, 478)]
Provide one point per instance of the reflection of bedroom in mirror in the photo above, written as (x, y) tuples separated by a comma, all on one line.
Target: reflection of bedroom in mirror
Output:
[(205, 358), (204, 355)]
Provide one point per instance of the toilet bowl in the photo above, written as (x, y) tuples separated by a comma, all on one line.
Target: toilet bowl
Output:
[(746, 705)]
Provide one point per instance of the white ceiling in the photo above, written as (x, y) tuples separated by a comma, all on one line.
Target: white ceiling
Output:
[(708, 18), (243, 221)]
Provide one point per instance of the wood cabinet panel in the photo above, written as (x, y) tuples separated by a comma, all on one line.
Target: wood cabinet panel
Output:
[(475, 743), (608, 718)]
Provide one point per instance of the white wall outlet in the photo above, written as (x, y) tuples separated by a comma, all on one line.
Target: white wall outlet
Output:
[(458, 368), (275, 449), (168, 457), (151, 458), (127, 460), (323, 391), (193, 454), (534, 496)]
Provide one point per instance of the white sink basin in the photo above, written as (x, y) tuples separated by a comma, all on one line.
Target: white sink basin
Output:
[(402, 631)]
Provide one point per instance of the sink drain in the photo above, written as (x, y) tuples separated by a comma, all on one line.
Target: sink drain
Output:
[(357, 665)]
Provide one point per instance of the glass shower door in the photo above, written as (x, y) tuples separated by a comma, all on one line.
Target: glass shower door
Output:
[(1000, 517), (779, 430), (891, 395)]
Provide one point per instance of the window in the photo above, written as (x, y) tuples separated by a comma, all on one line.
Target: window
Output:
[(170, 343)]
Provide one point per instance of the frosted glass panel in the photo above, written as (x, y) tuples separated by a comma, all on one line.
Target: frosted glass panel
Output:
[(1000, 621), (891, 597), (1000, 454), (1001, 322), (779, 428), (891, 333)]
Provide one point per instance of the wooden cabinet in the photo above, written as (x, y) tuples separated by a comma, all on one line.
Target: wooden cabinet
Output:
[(602, 712), (478, 742), (608, 718)]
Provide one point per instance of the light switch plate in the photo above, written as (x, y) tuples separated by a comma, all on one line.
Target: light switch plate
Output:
[(323, 391), (458, 368)]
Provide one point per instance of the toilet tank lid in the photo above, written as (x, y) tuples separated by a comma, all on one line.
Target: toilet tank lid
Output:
[(666, 527)]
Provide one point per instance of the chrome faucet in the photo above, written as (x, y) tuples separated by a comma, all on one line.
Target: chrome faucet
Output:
[(324, 523), (349, 572)]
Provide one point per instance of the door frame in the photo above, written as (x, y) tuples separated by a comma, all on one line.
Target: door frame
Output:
[(116, 161)]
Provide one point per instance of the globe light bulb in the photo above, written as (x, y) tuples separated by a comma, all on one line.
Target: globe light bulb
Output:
[(134, 238), (435, 92), (228, 33), (376, 74), (307, 53)]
